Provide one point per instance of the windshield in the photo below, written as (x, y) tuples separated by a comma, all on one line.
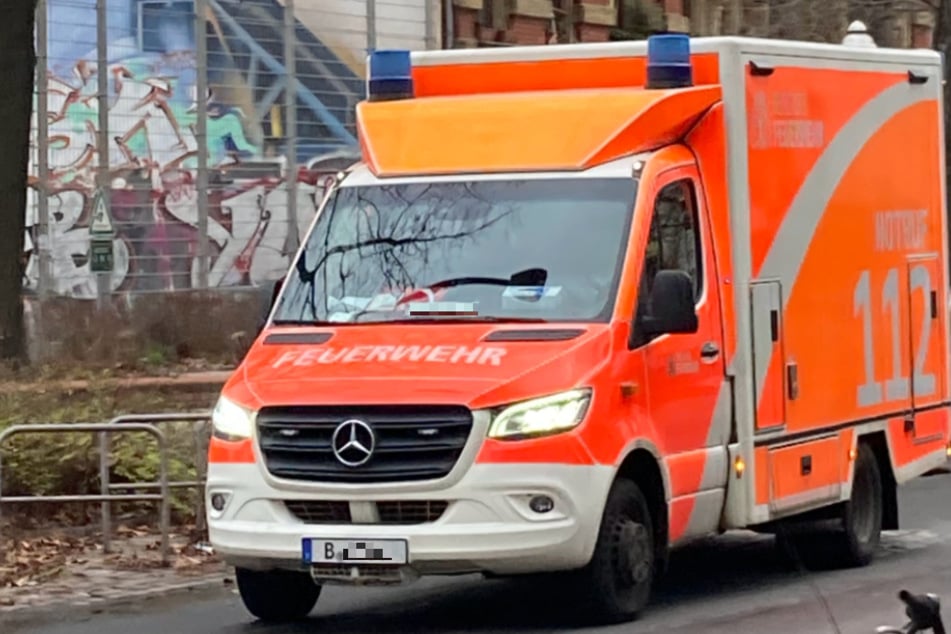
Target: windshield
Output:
[(533, 249)]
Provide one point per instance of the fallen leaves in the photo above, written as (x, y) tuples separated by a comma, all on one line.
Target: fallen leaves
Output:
[(139, 531), (31, 562)]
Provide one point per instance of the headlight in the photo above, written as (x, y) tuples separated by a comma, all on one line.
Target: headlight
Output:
[(541, 416), (230, 421)]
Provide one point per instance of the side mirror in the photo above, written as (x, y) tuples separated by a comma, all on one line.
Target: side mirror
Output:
[(672, 305), (269, 296)]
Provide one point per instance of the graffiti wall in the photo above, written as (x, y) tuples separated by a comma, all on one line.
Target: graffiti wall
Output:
[(152, 156)]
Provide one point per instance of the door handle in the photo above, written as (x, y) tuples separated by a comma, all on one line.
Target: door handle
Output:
[(709, 350)]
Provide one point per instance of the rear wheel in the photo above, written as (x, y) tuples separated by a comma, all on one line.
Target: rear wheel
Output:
[(858, 531), (616, 584), (862, 514), (277, 595)]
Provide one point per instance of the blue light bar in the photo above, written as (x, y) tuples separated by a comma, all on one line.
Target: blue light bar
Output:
[(389, 76), (668, 61)]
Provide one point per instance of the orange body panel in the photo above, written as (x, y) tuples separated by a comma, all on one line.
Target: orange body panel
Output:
[(679, 515), (686, 470), (708, 142), (929, 435), (519, 132), (846, 447), (792, 117), (225, 452), (451, 364), (802, 469), (566, 449), (846, 242), (872, 289), (448, 80), (683, 388), (679, 391), (761, 475)]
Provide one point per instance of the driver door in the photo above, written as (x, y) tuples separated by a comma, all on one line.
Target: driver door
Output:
[(685, 372)]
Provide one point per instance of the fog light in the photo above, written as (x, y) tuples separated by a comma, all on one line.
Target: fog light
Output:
[(218, 502), (541, 504)]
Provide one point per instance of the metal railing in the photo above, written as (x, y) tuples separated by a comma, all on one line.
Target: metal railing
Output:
[(109, 491)]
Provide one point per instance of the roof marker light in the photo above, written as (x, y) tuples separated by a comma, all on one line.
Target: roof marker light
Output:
[(668, 61), (858, 35), (389, 75)]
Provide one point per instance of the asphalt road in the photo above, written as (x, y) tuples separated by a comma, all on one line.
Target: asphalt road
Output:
[(733, 584)]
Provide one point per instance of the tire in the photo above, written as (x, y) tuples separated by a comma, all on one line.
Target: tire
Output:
[(862, 514), (859, 525), (616, 584), (277, 595)]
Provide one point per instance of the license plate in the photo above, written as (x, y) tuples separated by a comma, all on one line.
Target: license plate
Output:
[(355, 551)]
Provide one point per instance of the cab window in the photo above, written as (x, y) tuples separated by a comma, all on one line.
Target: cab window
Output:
[(673, 241)]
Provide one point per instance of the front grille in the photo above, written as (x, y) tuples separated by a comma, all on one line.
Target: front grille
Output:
[(411, 511), (412, 442), (373, 575), (391, 512), (320, 512)]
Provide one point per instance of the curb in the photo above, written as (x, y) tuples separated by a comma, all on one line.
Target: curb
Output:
[(19, 614)]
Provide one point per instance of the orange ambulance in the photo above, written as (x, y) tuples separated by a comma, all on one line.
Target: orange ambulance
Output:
[(580, 304)]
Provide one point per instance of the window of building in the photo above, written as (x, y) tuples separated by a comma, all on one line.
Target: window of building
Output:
[(166, 26)]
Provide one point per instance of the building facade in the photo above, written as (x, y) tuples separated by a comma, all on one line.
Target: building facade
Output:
[(481, 23)]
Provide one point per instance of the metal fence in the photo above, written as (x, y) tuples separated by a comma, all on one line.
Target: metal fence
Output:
[(109, 492), (184, 144)]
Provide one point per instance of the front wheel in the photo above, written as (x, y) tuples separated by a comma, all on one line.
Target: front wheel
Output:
[(615, 586), (277, 595)]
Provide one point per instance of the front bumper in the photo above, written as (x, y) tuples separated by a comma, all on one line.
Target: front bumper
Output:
[(488, 525)]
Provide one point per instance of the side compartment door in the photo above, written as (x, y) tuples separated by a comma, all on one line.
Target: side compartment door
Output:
[(927, 334), (769, 367)]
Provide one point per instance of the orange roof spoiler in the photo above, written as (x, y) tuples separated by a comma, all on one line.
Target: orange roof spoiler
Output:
[(562, 73), (529, 131)]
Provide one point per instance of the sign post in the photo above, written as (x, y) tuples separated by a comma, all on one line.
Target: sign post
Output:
[(101, 250)]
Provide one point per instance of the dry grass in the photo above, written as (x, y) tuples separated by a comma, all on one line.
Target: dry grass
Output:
[(143, 334)]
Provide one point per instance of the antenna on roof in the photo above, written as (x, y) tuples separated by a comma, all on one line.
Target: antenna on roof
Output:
[(857, 35)]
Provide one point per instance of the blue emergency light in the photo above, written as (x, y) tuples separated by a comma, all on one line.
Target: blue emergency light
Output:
[(389, 76), (668, 61)]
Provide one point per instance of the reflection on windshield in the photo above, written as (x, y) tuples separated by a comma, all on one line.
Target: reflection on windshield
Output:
[(547, 250)]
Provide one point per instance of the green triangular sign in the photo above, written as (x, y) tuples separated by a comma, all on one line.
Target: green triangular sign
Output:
[(101, 222)]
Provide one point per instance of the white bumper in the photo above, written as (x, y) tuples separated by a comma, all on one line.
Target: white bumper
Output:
[(487, 526)]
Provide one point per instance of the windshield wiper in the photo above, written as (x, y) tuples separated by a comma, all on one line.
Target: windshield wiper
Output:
[(414, 320), (467, 319), (303, 322)]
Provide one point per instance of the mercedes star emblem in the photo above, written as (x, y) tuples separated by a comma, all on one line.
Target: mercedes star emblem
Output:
[(353, 442)]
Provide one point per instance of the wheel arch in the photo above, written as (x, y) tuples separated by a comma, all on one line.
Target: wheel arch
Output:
[(878, 443), (642, 467)]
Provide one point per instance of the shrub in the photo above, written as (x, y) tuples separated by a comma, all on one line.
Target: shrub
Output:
[(145, 331), (68, 464)]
